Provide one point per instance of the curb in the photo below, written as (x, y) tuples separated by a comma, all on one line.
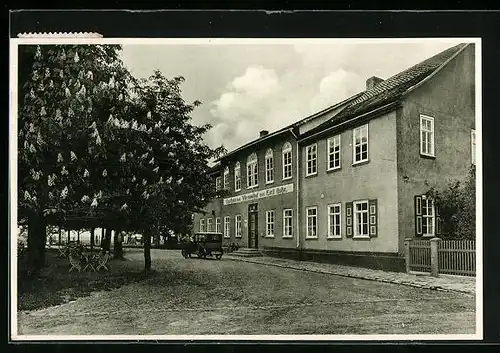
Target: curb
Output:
[(404, 283)]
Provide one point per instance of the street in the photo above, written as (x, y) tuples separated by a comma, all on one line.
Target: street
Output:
[(198, 297)]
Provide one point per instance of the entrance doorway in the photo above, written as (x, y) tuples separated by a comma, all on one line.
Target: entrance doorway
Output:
[(253, 239)]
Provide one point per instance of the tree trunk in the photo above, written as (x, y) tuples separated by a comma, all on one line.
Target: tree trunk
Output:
[(118, 246), (37, 236), (60, 235), (106, 241), (78, 236), (157, 240), (92, 235), (147, 250), (69, 236)]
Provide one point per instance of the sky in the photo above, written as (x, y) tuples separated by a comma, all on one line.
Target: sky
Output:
[(246, 88)]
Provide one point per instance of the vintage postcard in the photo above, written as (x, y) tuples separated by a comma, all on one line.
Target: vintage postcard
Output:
[(245, 189)]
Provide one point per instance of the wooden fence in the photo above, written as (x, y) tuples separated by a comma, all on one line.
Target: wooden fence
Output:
[(456, 257)]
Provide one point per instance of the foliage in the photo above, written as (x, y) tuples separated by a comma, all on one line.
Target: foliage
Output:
[(99, 148), (457, 207)]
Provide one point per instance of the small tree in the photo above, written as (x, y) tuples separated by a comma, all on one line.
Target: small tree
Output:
[(457, 207)]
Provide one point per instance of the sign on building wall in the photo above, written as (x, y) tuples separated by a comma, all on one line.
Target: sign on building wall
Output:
[(261, 194)]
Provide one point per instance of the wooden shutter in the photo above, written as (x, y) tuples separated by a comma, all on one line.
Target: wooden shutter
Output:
[(372, 218), (438, 219), (418, 215), (348, 220)]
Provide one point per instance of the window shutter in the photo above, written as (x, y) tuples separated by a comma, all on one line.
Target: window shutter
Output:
[(348, 220), (418, 215), (438, 220), (373, 218)]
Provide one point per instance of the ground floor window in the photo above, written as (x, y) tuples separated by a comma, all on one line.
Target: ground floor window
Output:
[(287, 223), (209, 224), (312, 222), (361, 219), (334, 221), (217, 224), (227, 224), (427, 217), (202, 225), (237, 221), (270, 223)]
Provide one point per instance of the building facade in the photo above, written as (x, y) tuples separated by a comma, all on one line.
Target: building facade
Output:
[(347, 184)]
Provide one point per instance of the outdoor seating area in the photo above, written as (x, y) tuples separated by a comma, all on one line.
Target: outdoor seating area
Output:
[(83, 258)]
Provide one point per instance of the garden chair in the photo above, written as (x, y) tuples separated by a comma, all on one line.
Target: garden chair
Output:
[(102, 262), (75, 262)]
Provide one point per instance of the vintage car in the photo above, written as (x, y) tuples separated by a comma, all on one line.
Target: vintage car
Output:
[(203, 244)]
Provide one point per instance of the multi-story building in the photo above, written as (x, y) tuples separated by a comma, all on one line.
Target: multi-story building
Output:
[(347, 184)]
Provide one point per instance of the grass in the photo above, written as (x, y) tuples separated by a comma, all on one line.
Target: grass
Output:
[(55, 285)]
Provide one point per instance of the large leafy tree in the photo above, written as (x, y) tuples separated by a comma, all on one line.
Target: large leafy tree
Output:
[(65, 94), (99, 148)]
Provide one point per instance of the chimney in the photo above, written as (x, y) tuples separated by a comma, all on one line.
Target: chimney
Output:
[(372, 82), (264, 133)]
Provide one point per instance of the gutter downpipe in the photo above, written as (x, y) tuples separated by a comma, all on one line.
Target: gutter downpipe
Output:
[(297, 192)]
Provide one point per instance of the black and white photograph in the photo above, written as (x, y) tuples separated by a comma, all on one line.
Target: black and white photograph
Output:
[(245, 189)]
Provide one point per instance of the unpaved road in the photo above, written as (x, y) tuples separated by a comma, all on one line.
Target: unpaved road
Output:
[(210, 297)]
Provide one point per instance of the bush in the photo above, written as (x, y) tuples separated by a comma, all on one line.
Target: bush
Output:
[(457, 207)]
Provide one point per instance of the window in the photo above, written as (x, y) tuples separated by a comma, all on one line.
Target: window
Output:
[(473, 146), (217, 224), (287, 223), (334, 221), (237, 222), (311, 158), (426, 136), (218, 183), (252, 171), (312, 222), (360, 143), (237, 177), (202, 225), (209, 224), (226, 178), (269, 223), (269, 166), (227, 224), (287, 161), (361, 219), (333, 153), (427, 217)]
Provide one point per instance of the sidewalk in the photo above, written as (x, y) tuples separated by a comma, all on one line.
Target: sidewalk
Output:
[(420, 280)]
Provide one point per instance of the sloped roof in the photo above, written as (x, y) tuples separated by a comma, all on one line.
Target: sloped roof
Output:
[(390, 90)]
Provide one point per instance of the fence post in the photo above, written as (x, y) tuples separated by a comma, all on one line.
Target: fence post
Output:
[(434, 257), (407, 254)]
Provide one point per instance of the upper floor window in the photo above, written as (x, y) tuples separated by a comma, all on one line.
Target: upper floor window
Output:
[(226, 178), (218, 183), (287, 161), (426, 135), (360, 143), (312, 159), (333, 152), (252, 171), (269, 166), (237, 177), (473, 146)]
